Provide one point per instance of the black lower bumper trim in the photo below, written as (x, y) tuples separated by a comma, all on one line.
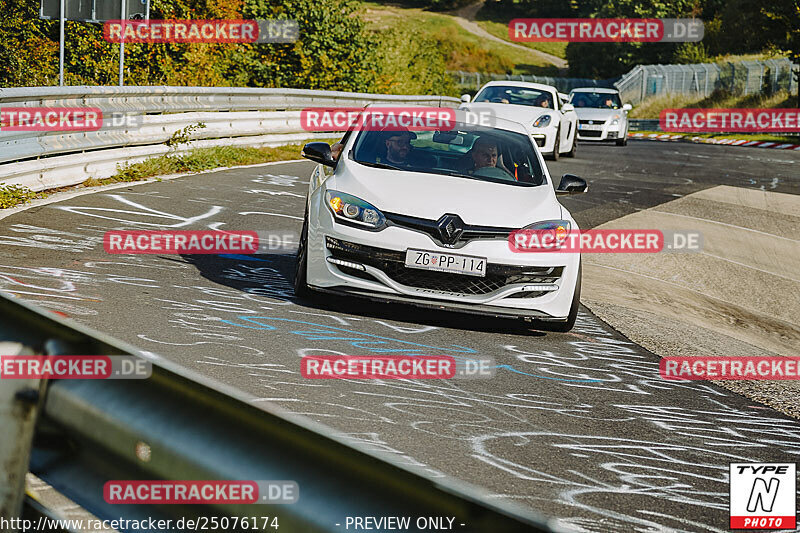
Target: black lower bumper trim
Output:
[(474, 309)]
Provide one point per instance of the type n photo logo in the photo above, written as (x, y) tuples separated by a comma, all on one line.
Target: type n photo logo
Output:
[(763, 496)]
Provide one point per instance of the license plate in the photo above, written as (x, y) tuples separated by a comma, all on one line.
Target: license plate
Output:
[(457, 264), (590, 127)]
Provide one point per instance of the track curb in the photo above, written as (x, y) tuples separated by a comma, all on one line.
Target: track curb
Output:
[(728, 142)]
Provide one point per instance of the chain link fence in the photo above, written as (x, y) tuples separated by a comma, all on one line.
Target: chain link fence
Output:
[(742, 78), (745, 77)]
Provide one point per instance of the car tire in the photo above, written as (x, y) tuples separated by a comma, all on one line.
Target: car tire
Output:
[(574, 149), (623, 141), (301, 289), (556, 145)]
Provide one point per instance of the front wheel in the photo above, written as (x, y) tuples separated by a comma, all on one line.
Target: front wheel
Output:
[(623, 141), (556, 145), (574, 149), (301, 289)]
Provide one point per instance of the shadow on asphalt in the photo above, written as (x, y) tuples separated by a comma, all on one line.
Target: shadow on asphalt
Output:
[(272, 276)]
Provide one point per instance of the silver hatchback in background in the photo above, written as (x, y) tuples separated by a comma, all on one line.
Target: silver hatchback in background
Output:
[(601, 115)]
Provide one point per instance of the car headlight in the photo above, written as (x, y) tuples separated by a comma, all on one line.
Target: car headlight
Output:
[(348, 208), (615, 120), (554, 231), (542, 122)]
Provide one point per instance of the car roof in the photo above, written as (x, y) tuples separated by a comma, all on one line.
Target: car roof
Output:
[(594, 90), (523, 84)]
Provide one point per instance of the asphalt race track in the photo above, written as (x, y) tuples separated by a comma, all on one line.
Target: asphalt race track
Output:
[(577, 426)]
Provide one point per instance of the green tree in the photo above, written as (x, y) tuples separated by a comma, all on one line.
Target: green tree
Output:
[(26, 46), (333, 52), (605, 60), (785, 15)]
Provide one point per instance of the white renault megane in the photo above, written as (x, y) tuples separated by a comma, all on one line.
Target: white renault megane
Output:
[(424, 217)]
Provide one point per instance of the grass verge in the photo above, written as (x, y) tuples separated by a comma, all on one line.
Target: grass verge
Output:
[(462, 50), (652, 107), (13, 195), (197, 160), (193, 161), (500, 29)]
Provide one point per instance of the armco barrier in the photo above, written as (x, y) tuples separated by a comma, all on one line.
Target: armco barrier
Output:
[(232, 115), (88, 432)]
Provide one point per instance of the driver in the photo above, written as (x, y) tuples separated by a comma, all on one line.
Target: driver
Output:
[(544, 101), (398, 147), (399, 151), (484, 153), (609, 103)]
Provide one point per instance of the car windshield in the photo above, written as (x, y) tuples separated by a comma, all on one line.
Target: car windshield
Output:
[(465, 151), (596, 100), (515, 95)]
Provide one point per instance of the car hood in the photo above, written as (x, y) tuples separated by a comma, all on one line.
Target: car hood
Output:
[(588, 113), (430, 196), (518, 113)]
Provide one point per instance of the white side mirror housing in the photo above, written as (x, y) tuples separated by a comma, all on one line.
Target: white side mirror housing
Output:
[(566, 108), (627, 107), (466, 98)]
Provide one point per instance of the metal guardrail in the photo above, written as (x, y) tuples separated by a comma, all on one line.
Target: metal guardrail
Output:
[(88, 430), (233, 116), (644, 124)]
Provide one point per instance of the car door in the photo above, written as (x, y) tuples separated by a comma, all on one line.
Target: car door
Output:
[(569, 121)]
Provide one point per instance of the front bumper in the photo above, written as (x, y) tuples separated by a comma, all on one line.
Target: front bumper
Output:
[(545, 139), (350, 260), (607, 133)]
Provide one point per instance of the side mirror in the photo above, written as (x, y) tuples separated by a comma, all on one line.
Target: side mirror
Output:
[(572, 184), (566, 108), (466, 98), (319, 152), (627, 107)]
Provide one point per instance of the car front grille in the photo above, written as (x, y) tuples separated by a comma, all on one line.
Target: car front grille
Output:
[(392, 264), (586, 122), (430, 227), (590, 133)]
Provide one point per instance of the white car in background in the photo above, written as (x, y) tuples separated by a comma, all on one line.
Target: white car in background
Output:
[(601, 115), (433, 230), (541, 108)]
